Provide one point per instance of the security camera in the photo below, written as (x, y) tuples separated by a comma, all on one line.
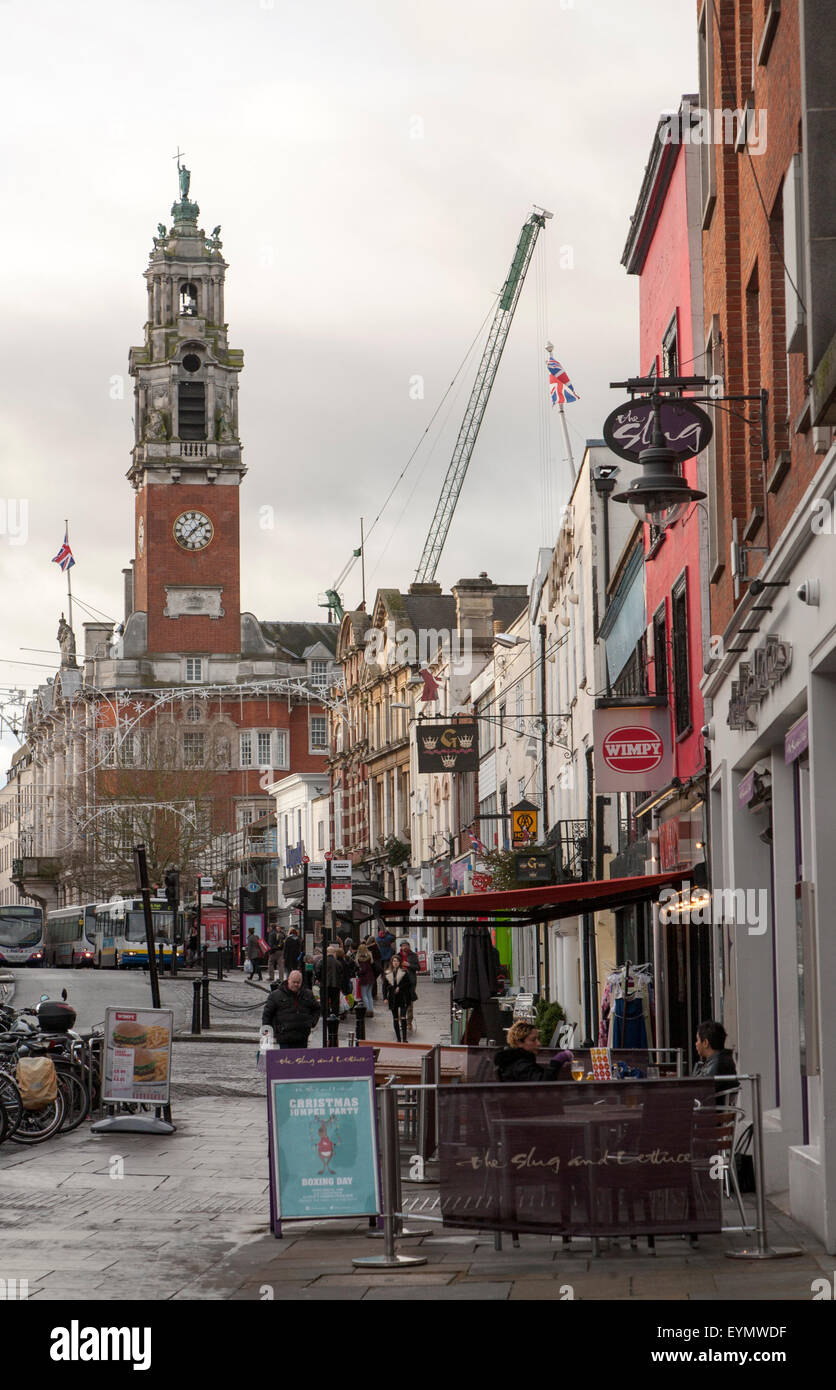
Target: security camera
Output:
[(707, 732), (809, 592)]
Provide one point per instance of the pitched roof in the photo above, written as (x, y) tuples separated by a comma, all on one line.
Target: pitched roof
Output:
[(295, 639)]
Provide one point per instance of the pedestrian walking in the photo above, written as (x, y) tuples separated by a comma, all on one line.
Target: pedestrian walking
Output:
[(377, 963), (291, 1011), (254, 955), (366, 979), (397, 990), (292, 951), (411, 965), (193, 945), (274, 947), (386, 946), (333, 979)]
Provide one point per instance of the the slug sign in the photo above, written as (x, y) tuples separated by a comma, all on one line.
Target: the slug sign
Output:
[(629, 428)]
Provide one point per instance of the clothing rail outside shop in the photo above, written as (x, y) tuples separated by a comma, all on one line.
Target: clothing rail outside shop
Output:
[(391, 1158)]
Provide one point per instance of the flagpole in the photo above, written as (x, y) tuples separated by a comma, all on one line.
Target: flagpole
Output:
[(566, 439), (69, 585)]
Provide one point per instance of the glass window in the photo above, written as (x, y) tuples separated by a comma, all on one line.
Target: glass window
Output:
[(246, 749), (282, 760), (319, 674), (194, 668), (193, 749), (264, 757), (679, 652), (319, 730)]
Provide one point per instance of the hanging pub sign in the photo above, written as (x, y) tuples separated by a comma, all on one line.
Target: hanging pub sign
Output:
[(523, 824), (629, 428), (632, 748), (448, 746), (533, 868)]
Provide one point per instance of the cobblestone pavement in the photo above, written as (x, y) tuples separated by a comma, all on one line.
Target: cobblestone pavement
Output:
[(186, 1216)]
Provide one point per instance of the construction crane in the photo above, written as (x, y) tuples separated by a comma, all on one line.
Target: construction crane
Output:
[(479, 396)]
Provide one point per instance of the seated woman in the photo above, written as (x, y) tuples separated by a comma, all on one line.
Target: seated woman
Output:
[(518, 1060)]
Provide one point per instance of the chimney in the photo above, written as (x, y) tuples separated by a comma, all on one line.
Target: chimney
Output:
[(474, 610), (128, 575), (97, 640)]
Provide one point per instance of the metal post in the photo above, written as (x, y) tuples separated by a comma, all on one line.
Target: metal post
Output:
[(220, 961), (205, 988), (389, 1259), (195, 1006), (360, 1023), (764, 1250), (141, 864)]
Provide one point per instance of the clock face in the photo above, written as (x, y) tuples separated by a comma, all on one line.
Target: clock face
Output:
[(140, 536), (193, 530)]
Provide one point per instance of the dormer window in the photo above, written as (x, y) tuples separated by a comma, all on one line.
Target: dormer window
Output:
[(188, 300)]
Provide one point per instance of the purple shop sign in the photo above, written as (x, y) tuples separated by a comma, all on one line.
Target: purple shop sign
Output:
[(746, 789), (797, 739), (629, 428)]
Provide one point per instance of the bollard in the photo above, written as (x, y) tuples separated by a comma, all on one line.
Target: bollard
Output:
[(204, 1012), (173, 957), (205, 955), (160, 959), (333, 1026), (195, 1006), (220, 963), (360, 1022), (389, 1259)]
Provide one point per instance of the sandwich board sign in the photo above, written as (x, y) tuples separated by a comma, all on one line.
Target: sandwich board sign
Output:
[(137, 1069), (322, 1127)]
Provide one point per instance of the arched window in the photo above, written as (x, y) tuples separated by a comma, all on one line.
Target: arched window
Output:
[(188, 299)]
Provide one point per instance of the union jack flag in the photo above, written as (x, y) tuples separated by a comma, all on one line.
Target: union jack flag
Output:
[(561, 388), (476, 842), (64, 558)]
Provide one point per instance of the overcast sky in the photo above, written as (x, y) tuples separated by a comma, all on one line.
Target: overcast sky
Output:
[(371, 165)]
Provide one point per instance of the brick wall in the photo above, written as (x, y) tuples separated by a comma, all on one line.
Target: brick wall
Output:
[(744, 283)]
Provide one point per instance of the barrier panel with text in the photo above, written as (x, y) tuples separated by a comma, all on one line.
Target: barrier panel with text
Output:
[(596, 1159)]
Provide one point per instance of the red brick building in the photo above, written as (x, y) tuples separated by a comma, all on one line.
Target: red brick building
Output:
[(174, 724)]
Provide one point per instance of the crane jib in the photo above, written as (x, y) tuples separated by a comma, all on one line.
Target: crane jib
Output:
[(479, 396)]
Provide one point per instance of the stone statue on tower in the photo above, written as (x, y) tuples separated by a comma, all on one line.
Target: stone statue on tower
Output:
[(184, 175)]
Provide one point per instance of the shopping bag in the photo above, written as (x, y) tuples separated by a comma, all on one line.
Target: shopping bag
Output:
[(344, 1004), (262, 946), (744, 1163), (248, 967), (37, 1082)]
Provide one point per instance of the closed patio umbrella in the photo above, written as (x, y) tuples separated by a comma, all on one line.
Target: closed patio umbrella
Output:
[(476, 977)]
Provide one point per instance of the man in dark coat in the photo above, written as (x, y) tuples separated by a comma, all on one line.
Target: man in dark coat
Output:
[(518, 1061), (715, 1058), (292, 951), (291, 1011)]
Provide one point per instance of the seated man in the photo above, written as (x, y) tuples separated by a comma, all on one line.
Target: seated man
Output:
[(715, 1058)]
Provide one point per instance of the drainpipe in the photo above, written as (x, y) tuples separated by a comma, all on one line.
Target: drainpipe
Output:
[(545, 791)]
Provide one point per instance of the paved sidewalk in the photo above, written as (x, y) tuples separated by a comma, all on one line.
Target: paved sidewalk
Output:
[(186, 1216)]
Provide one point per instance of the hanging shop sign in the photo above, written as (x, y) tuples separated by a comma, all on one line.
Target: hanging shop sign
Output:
[(797, 739), (629, 428), (137, 1065), (341, 885), (451, 746), (533, 868), (632, 748), (322, 1128), (768, 665), (523, 824)]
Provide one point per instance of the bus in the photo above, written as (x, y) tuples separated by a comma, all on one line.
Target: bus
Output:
[(120, 932), (70, 937), (21, 935)]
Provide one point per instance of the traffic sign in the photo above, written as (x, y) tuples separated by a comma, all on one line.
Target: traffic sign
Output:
[(253, 887)]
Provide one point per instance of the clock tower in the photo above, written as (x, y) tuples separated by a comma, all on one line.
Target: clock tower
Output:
[(186, 461)]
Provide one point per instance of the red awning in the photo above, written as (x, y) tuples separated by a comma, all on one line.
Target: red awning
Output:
[(539, 904)]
